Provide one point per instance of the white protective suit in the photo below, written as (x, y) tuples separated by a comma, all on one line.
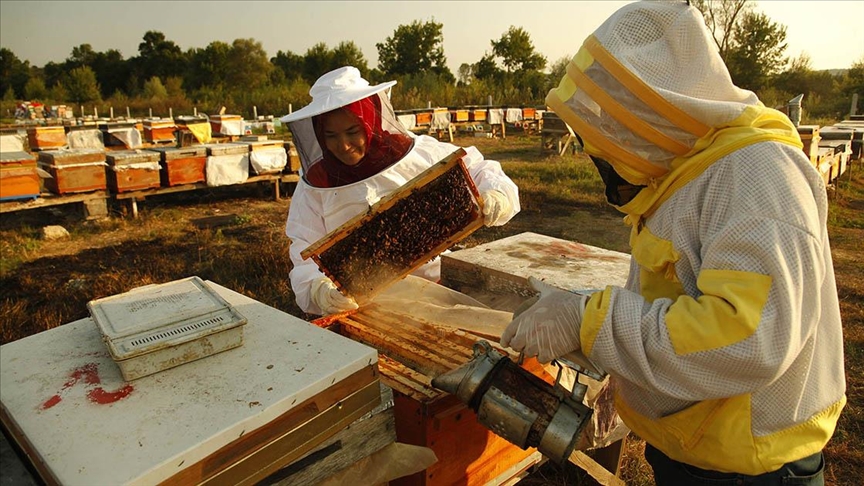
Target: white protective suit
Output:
[(316, 211), (726, 343)]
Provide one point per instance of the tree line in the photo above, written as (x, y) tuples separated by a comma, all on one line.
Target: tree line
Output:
[(241, 75)]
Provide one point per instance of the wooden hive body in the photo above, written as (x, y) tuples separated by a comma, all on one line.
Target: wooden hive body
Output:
[(411, 353), (76, 170), (18, 176), (182, 165), (402, 231)]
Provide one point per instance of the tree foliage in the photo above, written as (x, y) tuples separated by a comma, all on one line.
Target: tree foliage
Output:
[(81, 85), (417, 48), (517, 51), (758, 51), (751, 45), (14, 73)]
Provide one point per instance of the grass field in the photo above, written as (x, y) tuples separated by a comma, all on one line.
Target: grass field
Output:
[(48, 283)]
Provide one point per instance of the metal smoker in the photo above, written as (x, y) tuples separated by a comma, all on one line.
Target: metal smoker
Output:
[(517, 405)]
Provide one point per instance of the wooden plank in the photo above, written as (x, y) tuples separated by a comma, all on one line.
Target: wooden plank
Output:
[(48, 199), (192, 187), (362, 438)]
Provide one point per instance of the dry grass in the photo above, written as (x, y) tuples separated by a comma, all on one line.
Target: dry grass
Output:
[(45, 284)]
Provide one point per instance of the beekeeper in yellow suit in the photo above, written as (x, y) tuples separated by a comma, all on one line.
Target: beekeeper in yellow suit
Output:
[(726, 342)]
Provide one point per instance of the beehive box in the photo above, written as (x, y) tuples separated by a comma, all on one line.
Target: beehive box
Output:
[(293, 157), (477, 115), (411, 353), (132, 170), (78, 170), (529, 113), (458, 115), (156, 327), (267, 156), (18, 176), (46, 138), (810, 138), (402, 231), (181, 166), (231, 125), (423, 117), (156, 131)]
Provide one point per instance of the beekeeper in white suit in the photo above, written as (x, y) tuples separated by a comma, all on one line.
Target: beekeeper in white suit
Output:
[(353, 152), (726, 344)]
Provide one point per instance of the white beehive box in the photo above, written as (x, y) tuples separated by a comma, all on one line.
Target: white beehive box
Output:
[(156, 327)]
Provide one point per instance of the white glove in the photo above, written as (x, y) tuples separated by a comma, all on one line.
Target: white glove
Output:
[(550, 328), (328, 298), (496, 207)]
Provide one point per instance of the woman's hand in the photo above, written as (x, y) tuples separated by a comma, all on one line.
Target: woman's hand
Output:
[(495, 207), (328, 298)]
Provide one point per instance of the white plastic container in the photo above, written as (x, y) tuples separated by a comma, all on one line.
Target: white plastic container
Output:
[(156, 327)]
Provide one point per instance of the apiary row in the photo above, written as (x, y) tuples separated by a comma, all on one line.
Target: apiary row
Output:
[(831, 148), (441, 118), (23, 175), (133, 133)]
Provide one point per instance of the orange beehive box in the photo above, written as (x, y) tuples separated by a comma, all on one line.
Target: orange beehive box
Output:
[(74, 170), (18, 176), (458, 115), (46, 138), (468, 453), (182, 165), (159, 130), (477, 115), (132, 170), (529, 113), (424, 118)]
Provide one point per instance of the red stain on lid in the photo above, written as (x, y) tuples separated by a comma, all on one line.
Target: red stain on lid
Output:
[(89, 375)]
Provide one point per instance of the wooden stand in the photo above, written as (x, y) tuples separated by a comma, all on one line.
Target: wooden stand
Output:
[(133, 197)]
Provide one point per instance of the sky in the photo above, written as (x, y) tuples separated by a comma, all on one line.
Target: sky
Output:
[(41, 31)]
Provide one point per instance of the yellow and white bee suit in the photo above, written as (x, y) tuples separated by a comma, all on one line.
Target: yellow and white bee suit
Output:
[(726, 342), (316, 211)]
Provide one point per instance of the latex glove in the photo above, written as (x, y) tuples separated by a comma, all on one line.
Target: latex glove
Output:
[(550, 328), (496, 207), (328, 298)]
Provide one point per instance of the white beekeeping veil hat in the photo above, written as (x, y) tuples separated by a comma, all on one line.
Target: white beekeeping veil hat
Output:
[(344, 88), (645, 87)]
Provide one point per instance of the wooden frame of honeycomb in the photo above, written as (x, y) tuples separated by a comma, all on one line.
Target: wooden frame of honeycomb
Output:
[(402, 231)]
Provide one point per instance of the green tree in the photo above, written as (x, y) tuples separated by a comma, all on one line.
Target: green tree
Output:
[(466, 74), (81, 85), (14, 73), (158, 56), (417, 48), (154, 89), (347, 53), (290, 64), (248, 65), (486, 68), (721, 17), (517, 51), (209, 66), (35, 89), (174, 87), (758, 51), (317, 61)]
